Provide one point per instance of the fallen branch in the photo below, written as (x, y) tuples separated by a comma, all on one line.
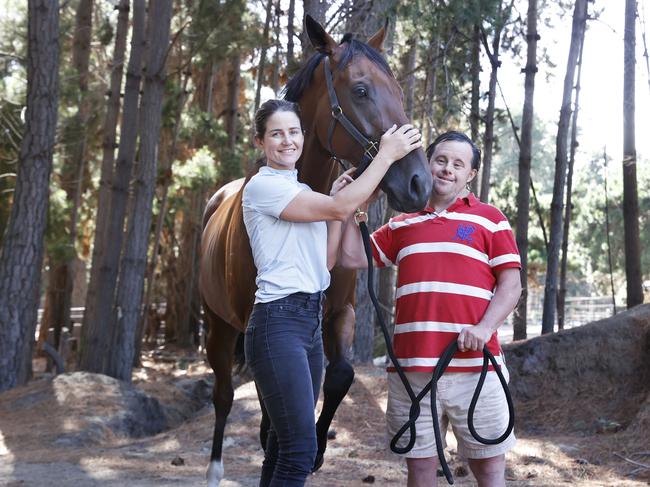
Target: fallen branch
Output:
[(638, 464)]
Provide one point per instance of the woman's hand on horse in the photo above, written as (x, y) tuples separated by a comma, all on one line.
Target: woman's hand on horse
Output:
[(342, 181), (397, 142)]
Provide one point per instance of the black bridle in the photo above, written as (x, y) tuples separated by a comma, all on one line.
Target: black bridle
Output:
[(370, 147)]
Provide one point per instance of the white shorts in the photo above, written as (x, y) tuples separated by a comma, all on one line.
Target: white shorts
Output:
[(453, 396)]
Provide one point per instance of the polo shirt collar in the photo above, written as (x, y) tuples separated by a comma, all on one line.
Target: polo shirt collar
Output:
[(287, 173), (469, 200)]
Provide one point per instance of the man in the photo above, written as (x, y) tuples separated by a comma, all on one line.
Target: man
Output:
[(458, 278)]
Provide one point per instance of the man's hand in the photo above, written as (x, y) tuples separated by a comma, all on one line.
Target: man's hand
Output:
[(473, 338)]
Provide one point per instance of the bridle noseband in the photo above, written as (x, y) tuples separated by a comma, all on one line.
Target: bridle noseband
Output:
[(370, 147)]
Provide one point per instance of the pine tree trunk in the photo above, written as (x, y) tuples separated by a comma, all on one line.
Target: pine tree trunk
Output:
[(133, 263), (275, 77), (525, 156), (74, 143), (561, 297), (98, 323), (290, 35), (101, 241), (190, 232), (232, 109), (166, 170), (475, 116), (555, 238), (408, 78), (265, 45), (22, 252), (633, 272), (488, 136)]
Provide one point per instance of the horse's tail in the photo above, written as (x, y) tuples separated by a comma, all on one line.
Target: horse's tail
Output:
[(239, 358)]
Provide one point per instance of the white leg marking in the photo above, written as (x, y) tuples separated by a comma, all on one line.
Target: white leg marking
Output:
[(215, 473)]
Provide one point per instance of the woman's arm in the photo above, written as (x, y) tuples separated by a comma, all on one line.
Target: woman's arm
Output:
[(352, 254), (310, 206)]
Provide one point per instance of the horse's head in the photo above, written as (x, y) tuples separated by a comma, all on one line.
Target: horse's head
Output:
[(370, 101)]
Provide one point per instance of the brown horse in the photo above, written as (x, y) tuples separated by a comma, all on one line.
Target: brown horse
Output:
[(369, 95)]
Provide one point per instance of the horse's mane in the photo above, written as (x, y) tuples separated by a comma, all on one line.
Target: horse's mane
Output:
[(302, 79)]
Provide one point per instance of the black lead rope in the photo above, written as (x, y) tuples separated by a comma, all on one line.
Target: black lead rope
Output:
[(440, 368)]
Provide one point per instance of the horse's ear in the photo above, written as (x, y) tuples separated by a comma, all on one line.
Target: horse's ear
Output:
[(377, 41), (320, 39)]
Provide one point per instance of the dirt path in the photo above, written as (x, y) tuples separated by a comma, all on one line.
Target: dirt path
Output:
[(35, 451)]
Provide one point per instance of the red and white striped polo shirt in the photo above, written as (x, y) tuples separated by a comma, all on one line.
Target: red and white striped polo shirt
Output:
[(447, 267)]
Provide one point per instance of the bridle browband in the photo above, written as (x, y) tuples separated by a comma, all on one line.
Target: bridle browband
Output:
[(370, 147)]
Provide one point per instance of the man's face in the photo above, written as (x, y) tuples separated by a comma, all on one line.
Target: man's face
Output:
[(451, 168)]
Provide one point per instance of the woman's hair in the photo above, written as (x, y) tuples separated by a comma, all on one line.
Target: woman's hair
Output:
[(267, 109), (453, 135)]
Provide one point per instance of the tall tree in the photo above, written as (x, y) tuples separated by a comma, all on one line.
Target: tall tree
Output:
[(102, 241), (98, 324), (133, 263), (633, 272), (22, 251), (568, 207), (525, 156), (555, 238), (475, 70), (501, 19), (74, 156), (265, 46)]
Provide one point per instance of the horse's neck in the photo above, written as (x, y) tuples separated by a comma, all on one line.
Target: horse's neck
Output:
[(316, 168)]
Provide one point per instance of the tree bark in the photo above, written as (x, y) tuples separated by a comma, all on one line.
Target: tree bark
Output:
[(102, 242), (232, 110), (133, 263), (525, 156), (555, 238), (98, 324), (409, 78), (265, 45), (275, 78), (475, 116), (633, 272), (22, 252), (290, 34), (569, 205), (74, 137), (166, 170)]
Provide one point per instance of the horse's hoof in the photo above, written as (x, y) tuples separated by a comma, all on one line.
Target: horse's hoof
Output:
[(318, 463)]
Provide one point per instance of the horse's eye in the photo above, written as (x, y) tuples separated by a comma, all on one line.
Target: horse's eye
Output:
[(360, 91)]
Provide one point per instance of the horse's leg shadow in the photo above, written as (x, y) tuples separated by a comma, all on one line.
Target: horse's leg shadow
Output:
[(338, 332), (220, 351)]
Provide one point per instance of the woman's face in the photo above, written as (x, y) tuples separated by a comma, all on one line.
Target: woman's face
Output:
[(283, 140)]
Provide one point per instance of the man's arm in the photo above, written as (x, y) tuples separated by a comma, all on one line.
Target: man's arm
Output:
[(503, 302)]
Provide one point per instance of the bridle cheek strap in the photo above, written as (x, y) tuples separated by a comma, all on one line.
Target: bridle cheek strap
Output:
[(370, 147)]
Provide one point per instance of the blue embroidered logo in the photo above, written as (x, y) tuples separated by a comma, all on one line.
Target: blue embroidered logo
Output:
[(464, 233)]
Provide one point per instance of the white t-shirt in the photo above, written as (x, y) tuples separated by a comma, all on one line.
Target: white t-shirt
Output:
[(290, 257)]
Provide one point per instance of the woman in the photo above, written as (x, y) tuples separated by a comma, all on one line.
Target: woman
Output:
[(293, 252)]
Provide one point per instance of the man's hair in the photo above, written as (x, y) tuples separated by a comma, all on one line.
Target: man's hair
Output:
[(453, 135)]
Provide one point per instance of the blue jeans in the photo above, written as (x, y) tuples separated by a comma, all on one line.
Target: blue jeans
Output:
[(284, 349)]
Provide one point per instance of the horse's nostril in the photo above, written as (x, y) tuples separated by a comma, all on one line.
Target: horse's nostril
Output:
[(416, 186)]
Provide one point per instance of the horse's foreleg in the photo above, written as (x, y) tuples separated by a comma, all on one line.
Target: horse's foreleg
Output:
[(338, 333), (220, 350)]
